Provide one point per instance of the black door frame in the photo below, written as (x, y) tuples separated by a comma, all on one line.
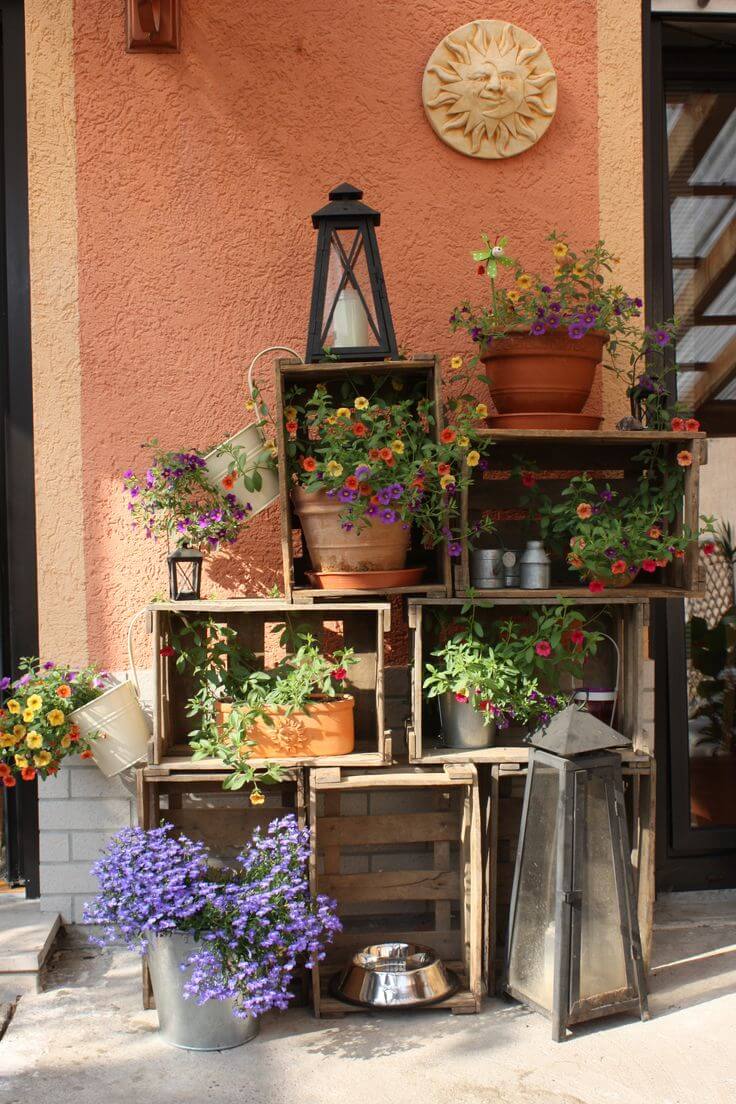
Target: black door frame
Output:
[(687, 858), (18, 595)]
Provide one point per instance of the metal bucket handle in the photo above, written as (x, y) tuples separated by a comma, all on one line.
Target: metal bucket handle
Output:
[(131, 661), (617, 650), (257, 357)]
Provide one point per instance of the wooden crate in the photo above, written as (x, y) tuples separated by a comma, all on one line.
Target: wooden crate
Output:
[(505, 803), (297, 587), (195, 803), (609, 456), (401, 852), (361, 627), (623, 619)]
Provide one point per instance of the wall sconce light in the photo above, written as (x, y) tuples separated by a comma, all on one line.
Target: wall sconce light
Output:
[(152, 26)]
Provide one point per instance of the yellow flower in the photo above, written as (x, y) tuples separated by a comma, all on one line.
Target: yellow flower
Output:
[(256, 797), (472, 458), (55, 718), (463, 441), (28, 715), (559, 250), (446, 480), (343, 412), (19, 731), (361, 403), (456, 363), (397, 447), (249, 404), (481, 410), (559, 271), (524, 281), (34, 739), (334, 469), (66, 741), (290, 413), (578, 269), (513, 295), (35, 702), (21, 761), (42, 759), (13, 705), (7, 741), (331, 419)]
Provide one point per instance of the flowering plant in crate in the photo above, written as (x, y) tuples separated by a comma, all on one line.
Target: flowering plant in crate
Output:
[(377, 458), (237, 701), (174, 499), (610, 537), (36, 731), (252, 923), (511, 672)]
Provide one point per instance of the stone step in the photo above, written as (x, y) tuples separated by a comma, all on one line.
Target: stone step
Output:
[(26, 938)]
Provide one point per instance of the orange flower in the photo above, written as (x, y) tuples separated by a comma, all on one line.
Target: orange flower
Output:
[(86, 755), (391, 462), (351, 483), (375, 500), (386, 455), (373, 454), (359, 429), (309, 463), (679, 554), (64, 691), (228, 481), (28, 774), (365, 489), (654, 533), (447, 436), (584, 510), (9, 781), (291, 427), (678, 424), (692, 425), (443, 469), (4, 770), (661, 563), (574, 561), (684, 458), (618, 567), (418, 481)]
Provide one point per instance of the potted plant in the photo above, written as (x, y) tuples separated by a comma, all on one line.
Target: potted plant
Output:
[(175, 500), (487, 680), (222, 944), (53, 711), (297, 709), (712, 761), (609, 537), (366, 474), (542, 338)]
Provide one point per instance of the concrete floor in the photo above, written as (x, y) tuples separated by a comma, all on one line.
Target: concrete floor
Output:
[(85, 1039)]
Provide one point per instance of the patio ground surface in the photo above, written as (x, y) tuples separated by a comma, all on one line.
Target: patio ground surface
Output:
[(85, 1039)]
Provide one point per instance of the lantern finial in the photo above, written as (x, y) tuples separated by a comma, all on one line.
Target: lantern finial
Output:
[(576, 732)]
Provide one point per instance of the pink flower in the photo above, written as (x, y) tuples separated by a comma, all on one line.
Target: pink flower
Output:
[(543, 648), (595, 586), (649, 565), (167, 651), (709, 548), (577, 638), (462, 698), (340, 673)]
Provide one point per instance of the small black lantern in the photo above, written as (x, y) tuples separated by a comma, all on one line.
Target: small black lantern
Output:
[(185, 574), (350, 314), (574, 951)]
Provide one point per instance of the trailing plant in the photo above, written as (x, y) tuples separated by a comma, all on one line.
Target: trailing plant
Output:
[(712, 651), (605, 535), (375, 454), (253, 923), (36, 732), (224, 670), (576, 298), (510, 671)]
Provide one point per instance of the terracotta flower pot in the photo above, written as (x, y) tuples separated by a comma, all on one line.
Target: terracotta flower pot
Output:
[(326, 728), (378, 546), (617, 582), (551, 373)]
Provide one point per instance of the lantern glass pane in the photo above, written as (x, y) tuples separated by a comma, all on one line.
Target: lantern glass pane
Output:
[(349, 316), (602, 953), (532, 949)]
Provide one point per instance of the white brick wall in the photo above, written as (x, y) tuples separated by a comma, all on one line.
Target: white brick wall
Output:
[(78, 811)]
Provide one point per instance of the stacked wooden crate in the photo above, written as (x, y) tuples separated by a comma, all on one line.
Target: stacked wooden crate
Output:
[(416, 844)]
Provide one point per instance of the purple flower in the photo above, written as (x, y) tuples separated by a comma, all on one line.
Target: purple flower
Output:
[(454, 548), (546, 289), (344, 495), (538, 328), (128, 474), (611, 553), (553, 321), (576, 331), (134, 492), (362, 471), (372, 510), (646, 384), (5, 682), (661, 337), (606, 495), (588, 318), (557, 307), (347, 526), (475, 334), (49, 665), (388, 517)]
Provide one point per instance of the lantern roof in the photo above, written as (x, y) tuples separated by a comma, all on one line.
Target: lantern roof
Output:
[(576, 732), (345, 203)]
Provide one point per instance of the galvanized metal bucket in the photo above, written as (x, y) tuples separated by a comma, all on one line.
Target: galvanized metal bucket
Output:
[(117, 728), (182, 1022), (462, 726), (486, 568)]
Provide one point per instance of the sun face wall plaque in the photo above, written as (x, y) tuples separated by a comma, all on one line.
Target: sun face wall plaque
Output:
[(490, 89)]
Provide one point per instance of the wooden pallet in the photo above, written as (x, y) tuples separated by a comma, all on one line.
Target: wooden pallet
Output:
[(625, 622), (437, 576), (401, 851), (609, 456), (361, 626)]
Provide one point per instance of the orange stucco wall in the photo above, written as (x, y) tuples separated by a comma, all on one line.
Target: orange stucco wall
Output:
[(194, 176)]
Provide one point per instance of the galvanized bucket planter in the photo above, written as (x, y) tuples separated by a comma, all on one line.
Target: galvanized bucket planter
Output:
[(182, 1022), (462, 726), (486, 568), (117, 728)]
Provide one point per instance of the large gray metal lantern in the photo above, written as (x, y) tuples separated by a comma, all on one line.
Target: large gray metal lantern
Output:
[(574, 951)]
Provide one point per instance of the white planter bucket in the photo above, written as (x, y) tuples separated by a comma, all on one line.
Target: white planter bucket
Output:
[(248, 447), (117, 728)]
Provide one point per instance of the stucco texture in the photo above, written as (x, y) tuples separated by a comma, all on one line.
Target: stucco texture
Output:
[(196, 175)]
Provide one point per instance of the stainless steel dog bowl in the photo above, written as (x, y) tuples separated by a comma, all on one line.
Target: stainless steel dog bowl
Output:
[(394, 975)]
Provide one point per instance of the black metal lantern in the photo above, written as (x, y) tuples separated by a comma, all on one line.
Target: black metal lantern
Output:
[(574, 951), (185, 574), (349, 315)]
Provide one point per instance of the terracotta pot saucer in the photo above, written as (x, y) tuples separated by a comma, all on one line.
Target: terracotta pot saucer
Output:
[(365, 580), (542, 420)]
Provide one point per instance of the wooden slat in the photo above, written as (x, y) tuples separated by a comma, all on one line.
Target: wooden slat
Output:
[(592, 437), (392, 885), (387, 828)]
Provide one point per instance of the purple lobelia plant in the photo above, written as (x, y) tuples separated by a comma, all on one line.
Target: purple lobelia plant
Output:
[(252, 923)]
